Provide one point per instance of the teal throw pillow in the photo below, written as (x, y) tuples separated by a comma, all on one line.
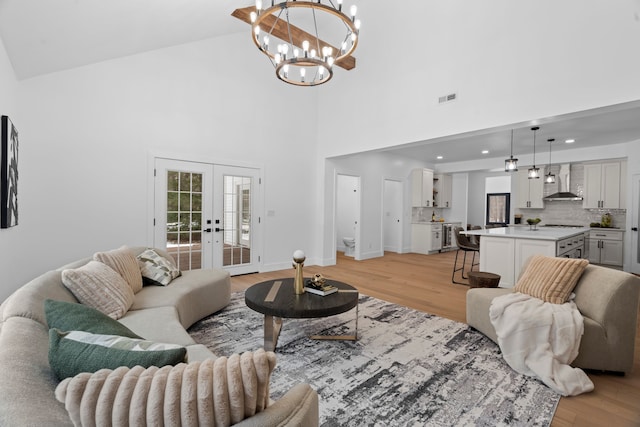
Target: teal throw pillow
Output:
[(68, 316), (71, 353)]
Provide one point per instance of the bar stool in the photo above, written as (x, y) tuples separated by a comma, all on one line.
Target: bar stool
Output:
[(465, 245)]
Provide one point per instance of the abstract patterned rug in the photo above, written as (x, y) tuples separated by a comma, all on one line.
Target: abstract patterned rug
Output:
[(408, 368)]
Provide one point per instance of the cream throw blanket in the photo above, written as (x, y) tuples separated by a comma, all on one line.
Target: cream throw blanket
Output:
[(541, 339), (215, 392)]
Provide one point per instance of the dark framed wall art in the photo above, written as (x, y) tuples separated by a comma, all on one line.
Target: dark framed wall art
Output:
[(8, 174)]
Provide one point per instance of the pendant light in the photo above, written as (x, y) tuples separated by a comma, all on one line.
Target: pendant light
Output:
[(511, 164), (550, 178), (534, 172)]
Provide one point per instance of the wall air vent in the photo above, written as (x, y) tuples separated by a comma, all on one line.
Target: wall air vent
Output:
[(447, 98)]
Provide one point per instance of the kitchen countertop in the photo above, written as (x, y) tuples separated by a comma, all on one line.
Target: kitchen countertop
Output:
[(541, 233)]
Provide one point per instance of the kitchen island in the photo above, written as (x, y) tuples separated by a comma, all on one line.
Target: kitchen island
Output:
[(505, 250)]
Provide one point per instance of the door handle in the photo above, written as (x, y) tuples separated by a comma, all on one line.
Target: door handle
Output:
[(219, 229), (207, 230), (634, 228)]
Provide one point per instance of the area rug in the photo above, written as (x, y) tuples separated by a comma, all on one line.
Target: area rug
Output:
[(408, 368)]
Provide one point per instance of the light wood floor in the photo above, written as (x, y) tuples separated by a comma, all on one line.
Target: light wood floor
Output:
[(424, 283)]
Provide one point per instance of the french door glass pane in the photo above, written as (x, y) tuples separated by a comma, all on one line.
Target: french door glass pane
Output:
[(236, 220), (184, 218)]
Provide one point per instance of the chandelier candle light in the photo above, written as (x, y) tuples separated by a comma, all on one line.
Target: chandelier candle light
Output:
[(300, 56), (534, 172)]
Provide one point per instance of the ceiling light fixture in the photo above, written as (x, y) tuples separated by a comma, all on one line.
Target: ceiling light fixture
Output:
[(485, 151), (439, 157), (534, 172), (511, 164), (570, 141), (550, 178), (299, 56)]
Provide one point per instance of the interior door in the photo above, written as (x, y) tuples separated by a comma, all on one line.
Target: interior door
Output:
[(183, 202), (392, 220), (235, 224)]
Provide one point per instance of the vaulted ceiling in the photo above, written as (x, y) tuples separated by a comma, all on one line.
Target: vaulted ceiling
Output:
[(44, 36)]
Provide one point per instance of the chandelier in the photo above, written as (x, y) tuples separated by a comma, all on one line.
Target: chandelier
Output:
[(289, 34)]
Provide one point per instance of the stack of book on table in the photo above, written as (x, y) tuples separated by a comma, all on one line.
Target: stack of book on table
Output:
[(320, 289)]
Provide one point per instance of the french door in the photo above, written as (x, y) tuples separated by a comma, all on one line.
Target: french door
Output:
[(205, 215)]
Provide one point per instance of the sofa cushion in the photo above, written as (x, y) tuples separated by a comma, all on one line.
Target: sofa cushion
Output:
[(124, 262), (68, 316), (551, 279), (220, 391), (73, 352), (195, 294), (156, 269), (98, 285)]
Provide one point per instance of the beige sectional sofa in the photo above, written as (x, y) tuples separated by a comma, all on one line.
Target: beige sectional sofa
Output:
[(158, 313), (608, 302)]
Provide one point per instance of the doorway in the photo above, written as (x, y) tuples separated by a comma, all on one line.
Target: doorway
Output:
[(392, 215), (348, 213), (205, 215)]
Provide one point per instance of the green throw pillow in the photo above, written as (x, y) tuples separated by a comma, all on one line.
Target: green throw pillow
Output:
[(68, 316), (71, 353)]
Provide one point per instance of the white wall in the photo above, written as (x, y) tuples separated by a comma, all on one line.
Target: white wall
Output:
[(87, 136), (10, 238), (509, 62)]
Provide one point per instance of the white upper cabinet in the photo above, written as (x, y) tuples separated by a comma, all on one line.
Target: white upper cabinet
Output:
[(422, 188), (442, 190), (530, 191), (603, 185)]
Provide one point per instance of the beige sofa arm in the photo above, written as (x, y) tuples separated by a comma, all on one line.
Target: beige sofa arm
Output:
[(297, 408), (608, 300)]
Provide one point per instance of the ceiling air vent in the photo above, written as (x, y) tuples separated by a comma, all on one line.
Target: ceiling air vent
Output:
[(447, 98)]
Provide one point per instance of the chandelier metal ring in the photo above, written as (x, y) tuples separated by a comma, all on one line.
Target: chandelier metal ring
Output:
[(283, 74), (312, 57)]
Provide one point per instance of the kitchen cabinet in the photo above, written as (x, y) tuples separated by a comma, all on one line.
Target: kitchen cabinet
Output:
[(426, 237), (422, 188), (442, 190), (606, 247), (603, 185), (530, 191)]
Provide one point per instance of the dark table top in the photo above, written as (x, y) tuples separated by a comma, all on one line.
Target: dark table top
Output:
[(289, 305)]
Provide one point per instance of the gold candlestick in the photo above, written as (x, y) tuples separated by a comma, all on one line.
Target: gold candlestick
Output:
[(298, 281)]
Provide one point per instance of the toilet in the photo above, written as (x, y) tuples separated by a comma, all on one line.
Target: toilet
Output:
[(350, 245)]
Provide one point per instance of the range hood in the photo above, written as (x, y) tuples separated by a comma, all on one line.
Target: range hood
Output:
[(564, 184)]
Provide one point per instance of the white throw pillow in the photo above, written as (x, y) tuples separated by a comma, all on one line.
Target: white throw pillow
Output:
[(101, 287)]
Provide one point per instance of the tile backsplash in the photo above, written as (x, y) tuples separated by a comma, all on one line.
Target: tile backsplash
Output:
[(571, 212)]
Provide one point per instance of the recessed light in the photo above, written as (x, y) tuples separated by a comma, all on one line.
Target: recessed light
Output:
[(439, 157), (485, 151), (570, 141)]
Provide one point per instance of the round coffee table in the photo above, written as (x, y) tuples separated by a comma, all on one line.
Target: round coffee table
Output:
[(276, 299)]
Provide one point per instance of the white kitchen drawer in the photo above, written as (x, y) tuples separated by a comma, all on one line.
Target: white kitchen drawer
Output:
[(606, 234)]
